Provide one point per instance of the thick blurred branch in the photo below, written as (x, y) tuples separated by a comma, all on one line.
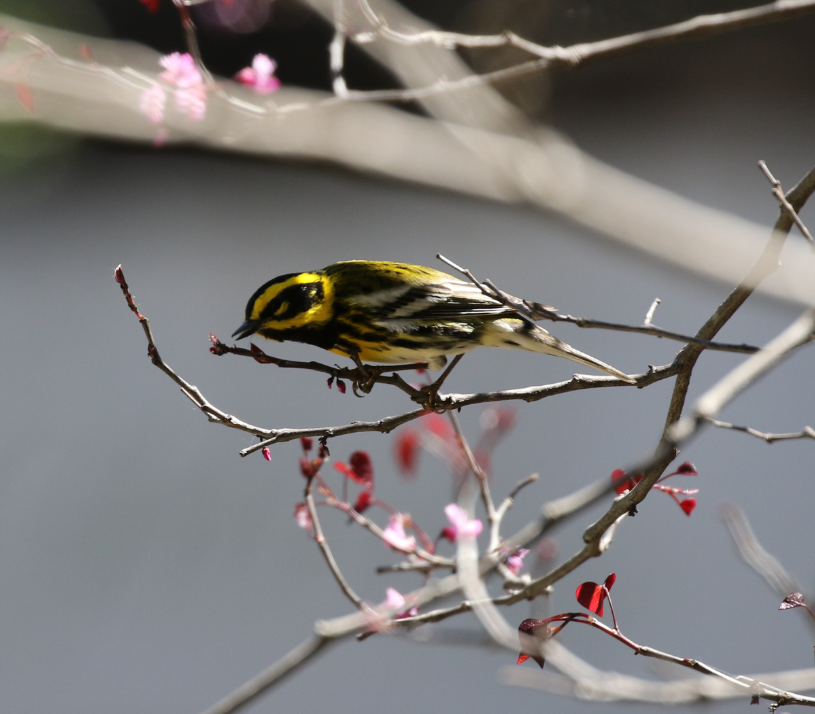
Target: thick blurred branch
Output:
[(540, 168)]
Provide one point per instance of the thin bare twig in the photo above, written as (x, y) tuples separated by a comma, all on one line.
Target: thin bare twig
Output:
[(322, 543), (548, 58), (582, 680), (778, 192), (651, 310), (536, 311), (806, 433)]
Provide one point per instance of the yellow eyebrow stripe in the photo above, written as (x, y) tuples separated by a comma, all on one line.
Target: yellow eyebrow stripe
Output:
[(320, 313)]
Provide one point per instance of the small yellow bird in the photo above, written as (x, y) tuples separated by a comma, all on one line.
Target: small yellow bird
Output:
[(395, 313)]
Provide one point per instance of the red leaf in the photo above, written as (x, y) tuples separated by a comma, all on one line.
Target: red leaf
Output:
[(24, 95), (438, 425), (305, 468), (340, 386), (119, 275), (591, 596), (362, 468), (687, 469), (527, 627), (258, 354), (609, 581), (406, 451), (363, 501), (306, 442), (627, 484), (792, 600), (688, 505)]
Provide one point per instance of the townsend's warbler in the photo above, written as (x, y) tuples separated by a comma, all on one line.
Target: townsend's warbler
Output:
[(379, 311)]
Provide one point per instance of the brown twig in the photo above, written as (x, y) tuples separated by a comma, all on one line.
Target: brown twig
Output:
[(322, 543), (549, 58), (778, 192), (536, 311), (806, 433)]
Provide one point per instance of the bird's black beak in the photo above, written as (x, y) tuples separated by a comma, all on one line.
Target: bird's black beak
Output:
[(249, 327)]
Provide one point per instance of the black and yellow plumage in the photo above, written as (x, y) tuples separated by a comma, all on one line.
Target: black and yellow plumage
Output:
[(394, 313)]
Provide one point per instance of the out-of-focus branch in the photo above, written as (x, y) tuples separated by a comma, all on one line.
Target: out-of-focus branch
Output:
[(752, 553), (271, 676), (540, 168)]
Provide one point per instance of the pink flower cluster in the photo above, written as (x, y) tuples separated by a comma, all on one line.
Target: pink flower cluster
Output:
[(260, 76), (185, 80)]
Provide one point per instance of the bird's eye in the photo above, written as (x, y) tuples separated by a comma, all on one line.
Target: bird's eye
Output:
[(283, 307)]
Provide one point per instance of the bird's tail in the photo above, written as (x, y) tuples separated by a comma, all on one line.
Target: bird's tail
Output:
[(524, 335)]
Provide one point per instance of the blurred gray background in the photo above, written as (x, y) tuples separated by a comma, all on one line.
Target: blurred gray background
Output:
[(145, 567)]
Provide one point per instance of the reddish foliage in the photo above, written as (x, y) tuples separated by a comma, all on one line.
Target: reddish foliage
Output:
[(687, 505), (306, 442), (406, 452), (363, 501), (687, 469), (628, 483), (527, 627), (119, 276), (361, 469), (309, 468), (592, 596), (259, 355), (438, 425)]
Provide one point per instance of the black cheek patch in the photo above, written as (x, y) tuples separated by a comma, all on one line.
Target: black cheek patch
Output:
[(300, 298)]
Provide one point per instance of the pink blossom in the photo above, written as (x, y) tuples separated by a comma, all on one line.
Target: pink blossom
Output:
[(462, 525), (180, 70), (396, 602), (516, 561), (303, 517), (192, 101), (260, 76), (152, 103), (182, 73), (394, 534)]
